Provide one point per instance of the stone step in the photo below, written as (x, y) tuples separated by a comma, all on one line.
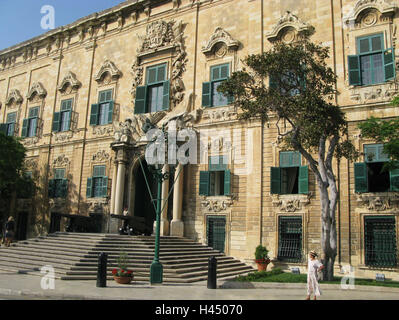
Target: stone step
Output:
[(74, 256)]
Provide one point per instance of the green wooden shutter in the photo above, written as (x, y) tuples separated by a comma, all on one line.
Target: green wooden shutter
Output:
[(275, 180), (89, 188), (51, 188), (140, 104), (3, 128), (94, 114), (389, 64), (206, 94), (394, 179), (166, 91), (64, 188), (25, 124), (361, 183), (104, 190), (303, 183), (110, 111), (355, 78), (227, 182), (56, 122), (69, 119), (204, 183)]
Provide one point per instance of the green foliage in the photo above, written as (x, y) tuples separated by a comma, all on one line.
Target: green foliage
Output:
[(278, 276), (261, 252), (301, 97), (123, 260), (12, 154), (386, 132)]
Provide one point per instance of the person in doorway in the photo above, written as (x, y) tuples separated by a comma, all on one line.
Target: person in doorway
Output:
[(125, 211), (314, 266), (9, 231)]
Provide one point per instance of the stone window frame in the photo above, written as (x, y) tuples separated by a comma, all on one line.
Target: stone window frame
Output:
[(304, 214), (382, 23), (362, 251)]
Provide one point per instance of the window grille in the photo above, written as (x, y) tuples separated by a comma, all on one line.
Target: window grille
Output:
[(290, 239), (380, 242)]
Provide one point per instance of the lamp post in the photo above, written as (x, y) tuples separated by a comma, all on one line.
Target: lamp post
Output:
[(156, 270)]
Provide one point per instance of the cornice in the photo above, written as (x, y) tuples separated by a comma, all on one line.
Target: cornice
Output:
[(98, 19)]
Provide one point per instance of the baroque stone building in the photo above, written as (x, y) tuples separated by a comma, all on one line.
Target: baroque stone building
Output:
[(81, 96)]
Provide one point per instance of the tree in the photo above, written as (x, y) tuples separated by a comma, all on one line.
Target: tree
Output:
[(12, 176), (386, 132), (300, 97)]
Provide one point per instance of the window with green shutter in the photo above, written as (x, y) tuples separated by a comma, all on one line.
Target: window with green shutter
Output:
[(58, 187), (65, 115), (373, 63), (372, 175), (210, 96), (11, 120), (155, 95), (102, 112), (29, 127), (290, 239), (290, 177), (97, 185), (218, 180), (380, 241)]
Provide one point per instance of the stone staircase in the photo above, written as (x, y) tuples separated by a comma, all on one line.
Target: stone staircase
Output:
[(74, 256)]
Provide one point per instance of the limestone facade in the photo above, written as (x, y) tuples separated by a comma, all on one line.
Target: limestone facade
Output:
[(113, 50)]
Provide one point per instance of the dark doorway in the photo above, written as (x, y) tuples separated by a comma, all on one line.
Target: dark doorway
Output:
[(55, 222), (143, 206), (22, 225)]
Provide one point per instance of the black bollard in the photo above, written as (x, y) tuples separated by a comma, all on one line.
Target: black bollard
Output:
[(102, 270), (212, 268)]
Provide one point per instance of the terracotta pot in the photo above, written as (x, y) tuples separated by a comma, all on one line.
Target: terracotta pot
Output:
[(262, 264), (123, 280)]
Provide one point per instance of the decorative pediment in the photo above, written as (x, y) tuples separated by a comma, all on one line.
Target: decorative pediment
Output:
[(220, 36), (383, 6), (69, 81), (108, 67), (378, 201), (101, 156), (159, 35), (287, 28), (38, 90), (14, 96), (61, 161)]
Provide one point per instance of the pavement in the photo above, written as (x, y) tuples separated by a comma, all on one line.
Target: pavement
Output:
[(30, 287)]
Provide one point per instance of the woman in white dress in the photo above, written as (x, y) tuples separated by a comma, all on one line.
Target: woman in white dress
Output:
[(313, 267)]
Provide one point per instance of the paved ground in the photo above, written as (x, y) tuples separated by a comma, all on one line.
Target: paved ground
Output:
[(28, 286)]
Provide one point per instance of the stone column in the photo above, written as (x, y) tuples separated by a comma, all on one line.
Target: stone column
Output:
[(113, 190), (177, 225), (120, 187)]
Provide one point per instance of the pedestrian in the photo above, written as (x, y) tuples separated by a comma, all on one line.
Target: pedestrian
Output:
[(314, 266), (9, 231)]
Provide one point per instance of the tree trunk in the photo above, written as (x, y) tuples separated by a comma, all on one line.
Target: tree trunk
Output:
[(329, 231)]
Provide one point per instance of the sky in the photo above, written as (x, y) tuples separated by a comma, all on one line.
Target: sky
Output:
[(21, 20)]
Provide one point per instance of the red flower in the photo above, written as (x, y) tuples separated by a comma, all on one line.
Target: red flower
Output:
[(114, 271), (129, 272), (122, 271)]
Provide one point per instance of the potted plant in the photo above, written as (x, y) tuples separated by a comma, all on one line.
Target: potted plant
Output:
[(122, 274), (261, 257)]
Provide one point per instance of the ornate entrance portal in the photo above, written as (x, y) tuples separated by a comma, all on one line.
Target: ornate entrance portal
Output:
[(129, 187)]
